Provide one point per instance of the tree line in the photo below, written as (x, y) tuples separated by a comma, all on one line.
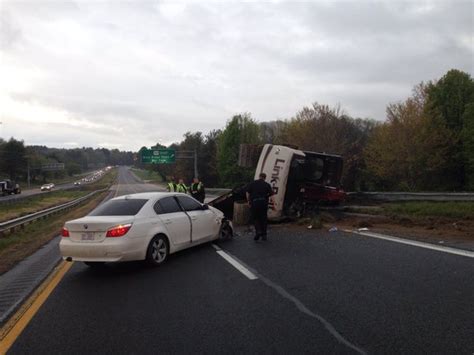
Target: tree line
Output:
[(17, 159), (426, 142)]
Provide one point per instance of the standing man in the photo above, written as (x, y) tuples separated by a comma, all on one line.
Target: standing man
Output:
[(181, 187), (197, 190), (258, 192), (171, 187)]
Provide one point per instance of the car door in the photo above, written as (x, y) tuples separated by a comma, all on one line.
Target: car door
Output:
[(176, 221), (203, 221)]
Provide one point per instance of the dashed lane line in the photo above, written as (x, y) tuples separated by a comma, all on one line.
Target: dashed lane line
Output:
[(232, 261)]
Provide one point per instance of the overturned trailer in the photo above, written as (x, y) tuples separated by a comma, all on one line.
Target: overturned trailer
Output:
[(298, 178)]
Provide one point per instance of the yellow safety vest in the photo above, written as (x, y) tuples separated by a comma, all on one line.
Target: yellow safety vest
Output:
[(181, 188)]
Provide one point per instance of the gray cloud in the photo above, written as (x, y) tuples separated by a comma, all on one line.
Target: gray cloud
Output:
[(134, 73)]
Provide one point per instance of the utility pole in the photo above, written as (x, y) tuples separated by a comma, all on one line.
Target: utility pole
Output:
[(28, 168), (195, 164)]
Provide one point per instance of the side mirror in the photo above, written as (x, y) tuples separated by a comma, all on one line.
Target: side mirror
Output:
[(205, 207)]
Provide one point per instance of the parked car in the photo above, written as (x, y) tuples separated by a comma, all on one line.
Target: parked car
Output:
[(145, 226), (47, 187)]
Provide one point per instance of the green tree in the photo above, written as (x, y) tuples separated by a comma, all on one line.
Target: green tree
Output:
[(13, 158), (467, 136), (241, 129), (323, 129), (448, 99), (410, 151)]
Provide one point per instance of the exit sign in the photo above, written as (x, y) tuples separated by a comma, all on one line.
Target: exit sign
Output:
[(158, 156)]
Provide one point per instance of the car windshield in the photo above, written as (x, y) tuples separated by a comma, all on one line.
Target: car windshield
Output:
[(122, 207)]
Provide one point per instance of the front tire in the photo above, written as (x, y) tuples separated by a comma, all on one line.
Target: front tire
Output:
[(226, 231), (158, 251)]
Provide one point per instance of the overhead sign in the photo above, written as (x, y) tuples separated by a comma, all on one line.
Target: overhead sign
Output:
[(158, 156), (52, 167)]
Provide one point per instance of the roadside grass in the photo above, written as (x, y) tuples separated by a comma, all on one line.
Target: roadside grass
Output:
[(147, 175), (21, 243), (422, 209), (50, 199), (37, 203)]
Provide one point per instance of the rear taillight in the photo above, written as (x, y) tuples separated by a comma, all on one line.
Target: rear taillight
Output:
[(118, 231), (64, 232)]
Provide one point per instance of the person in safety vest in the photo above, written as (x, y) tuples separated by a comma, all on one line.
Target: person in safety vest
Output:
[(197, 190), (181, 187), (172, 186)]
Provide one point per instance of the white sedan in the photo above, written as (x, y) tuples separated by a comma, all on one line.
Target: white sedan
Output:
[(145, 226), (47, 187)]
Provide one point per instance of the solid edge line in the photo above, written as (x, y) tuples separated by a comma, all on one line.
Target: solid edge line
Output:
[(250, 275), (449, 250), (34, 303)]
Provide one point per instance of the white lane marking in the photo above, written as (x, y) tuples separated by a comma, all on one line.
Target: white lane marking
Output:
[(449, 250), (298, 304), (250, 275)]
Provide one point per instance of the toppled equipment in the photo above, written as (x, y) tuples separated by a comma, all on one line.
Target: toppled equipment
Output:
[(299, 179)]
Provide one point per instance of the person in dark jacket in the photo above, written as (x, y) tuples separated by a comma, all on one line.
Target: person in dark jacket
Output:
[(197, 190), (258, 192)]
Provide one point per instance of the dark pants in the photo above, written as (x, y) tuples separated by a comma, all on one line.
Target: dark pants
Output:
[(259, 209), (198, 196)]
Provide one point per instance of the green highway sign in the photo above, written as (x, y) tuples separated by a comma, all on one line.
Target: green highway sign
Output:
[(158, 156)]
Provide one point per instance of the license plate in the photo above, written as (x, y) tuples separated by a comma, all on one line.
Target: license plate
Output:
[(88, 236)]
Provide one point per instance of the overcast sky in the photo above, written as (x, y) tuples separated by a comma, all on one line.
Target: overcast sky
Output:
[(130, 74)]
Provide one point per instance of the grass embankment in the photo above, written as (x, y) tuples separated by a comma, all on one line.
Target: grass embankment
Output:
[(37, 203), (416, 209), (16, 246), (463, 210), (148, 176), (50, 199)]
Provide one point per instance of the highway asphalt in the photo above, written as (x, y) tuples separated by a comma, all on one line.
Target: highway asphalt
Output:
[(25, 193), (315, 292)]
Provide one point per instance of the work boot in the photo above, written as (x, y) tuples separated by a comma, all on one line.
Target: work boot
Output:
[(256, 238)]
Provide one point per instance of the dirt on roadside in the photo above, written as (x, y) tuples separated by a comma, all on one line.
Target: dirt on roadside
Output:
[(458, 233)]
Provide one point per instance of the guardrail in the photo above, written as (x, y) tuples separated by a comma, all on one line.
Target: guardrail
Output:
[(412, 196), (20, 222)]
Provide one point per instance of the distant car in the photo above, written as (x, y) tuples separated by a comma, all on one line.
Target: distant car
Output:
[(47, 187), (145, 226), (76, 183)]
